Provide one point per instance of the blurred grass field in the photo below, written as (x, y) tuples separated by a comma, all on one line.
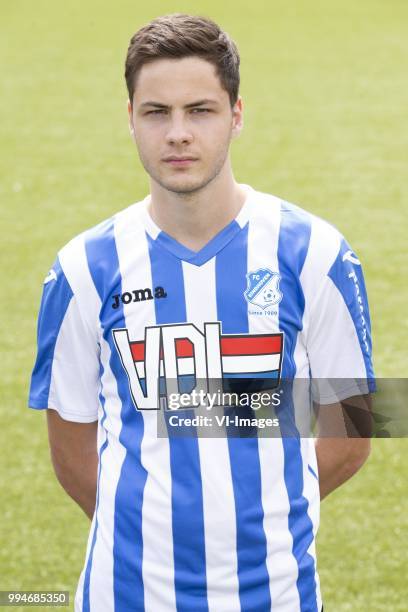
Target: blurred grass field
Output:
[(326, 97)]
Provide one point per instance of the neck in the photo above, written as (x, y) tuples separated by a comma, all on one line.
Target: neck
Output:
[(194, 218)]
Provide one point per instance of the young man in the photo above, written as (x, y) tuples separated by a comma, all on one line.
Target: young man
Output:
[(205, 279)]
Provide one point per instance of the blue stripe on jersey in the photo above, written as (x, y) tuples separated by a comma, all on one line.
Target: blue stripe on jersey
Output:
[(128, 543), (187, 497), (349, 280), (56, 297), (254, 592), (294, 237)]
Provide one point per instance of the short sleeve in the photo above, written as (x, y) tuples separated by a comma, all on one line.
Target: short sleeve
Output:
[(339, 342), (66, 372)]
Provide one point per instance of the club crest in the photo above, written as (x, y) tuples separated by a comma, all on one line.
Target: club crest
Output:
[(263, 288)]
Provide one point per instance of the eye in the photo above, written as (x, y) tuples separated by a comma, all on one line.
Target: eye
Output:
[(158, 111), (200, 110)]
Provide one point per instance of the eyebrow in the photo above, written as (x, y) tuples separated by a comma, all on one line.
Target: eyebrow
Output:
[(191, 105)]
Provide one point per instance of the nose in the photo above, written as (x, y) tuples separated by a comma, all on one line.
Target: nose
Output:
[(178, 132)]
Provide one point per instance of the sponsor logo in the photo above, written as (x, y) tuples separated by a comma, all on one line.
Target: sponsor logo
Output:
[(137, 295), (263, 288), (349, 256), (182, 359), (363, 334), (50, 276)]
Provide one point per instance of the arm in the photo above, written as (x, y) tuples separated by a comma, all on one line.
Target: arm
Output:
[(66, 377), (338, 459), (74, 456), (340, 446)]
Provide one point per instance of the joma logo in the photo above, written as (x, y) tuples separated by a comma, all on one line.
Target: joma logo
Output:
[(137, 295)]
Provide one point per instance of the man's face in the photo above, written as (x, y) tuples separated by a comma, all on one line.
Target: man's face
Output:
[(182, 122)]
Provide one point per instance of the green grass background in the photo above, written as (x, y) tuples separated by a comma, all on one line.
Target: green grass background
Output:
[(326, 98)]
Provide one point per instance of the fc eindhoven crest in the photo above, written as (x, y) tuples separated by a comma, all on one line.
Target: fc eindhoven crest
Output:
[(263, 288)]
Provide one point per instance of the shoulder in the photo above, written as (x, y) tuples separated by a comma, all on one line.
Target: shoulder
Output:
[(86, 260), (96, 236), (89, 251), (302, 235)]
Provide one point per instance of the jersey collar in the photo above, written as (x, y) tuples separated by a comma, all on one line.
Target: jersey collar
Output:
[(218, 242)]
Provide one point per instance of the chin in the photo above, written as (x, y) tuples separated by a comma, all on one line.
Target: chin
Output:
[(183, 185)]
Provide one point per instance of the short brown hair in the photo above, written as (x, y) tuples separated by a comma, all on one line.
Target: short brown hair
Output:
[(177, 36)]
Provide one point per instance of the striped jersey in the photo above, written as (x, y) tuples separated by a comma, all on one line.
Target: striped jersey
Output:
[(200, 523)]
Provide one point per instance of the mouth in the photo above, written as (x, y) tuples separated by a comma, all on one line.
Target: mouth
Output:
[(179, 161)]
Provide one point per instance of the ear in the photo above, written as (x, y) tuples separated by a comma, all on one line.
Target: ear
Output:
[(237, 118), (130, 117)]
